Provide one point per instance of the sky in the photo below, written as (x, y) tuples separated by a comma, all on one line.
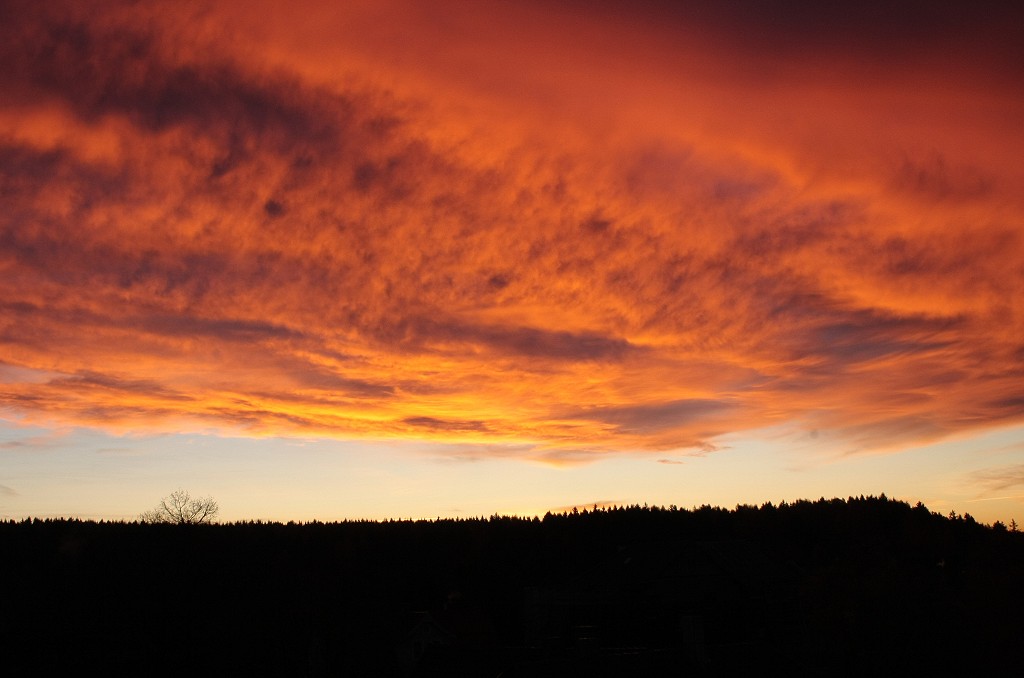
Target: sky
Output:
[(381, 259)]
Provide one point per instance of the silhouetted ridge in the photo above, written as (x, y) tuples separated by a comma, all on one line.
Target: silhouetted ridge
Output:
[(826, 586)]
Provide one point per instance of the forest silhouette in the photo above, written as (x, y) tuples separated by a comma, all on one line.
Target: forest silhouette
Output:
[(826, 587)]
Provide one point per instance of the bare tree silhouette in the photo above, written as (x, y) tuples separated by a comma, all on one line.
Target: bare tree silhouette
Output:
[(181, 508)]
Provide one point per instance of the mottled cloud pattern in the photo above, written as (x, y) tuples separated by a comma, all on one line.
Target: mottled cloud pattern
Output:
[(451, 223)]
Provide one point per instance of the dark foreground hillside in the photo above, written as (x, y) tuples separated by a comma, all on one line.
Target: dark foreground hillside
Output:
[(866, 585)]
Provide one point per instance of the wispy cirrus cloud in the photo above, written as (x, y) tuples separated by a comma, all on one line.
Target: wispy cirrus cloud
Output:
[(1002, 478), (431, 228)]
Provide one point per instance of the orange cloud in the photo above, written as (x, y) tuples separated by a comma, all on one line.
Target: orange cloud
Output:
[(455, 224)]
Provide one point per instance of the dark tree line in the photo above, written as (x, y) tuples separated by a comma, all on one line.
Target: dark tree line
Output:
[(829, 586)]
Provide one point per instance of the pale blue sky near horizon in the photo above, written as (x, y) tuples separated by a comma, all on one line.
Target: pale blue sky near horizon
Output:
[(89, 474)]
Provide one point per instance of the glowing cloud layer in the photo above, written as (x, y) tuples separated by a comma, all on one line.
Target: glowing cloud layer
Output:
[(557, 229)]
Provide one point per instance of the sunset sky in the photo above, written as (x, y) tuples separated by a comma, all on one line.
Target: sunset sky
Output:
[(371, 259)]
